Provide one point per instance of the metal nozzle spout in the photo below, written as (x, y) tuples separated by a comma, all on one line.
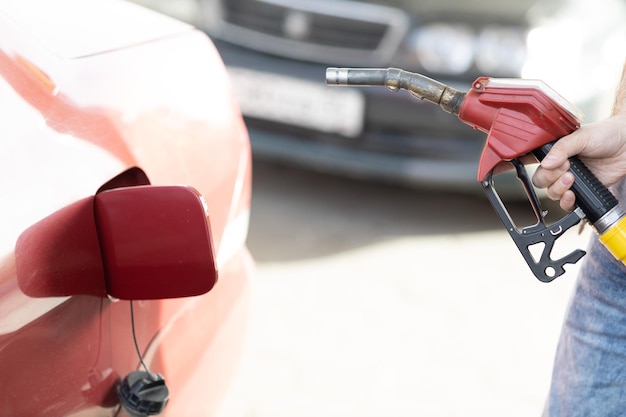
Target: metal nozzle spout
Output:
[(395, 79), (337, 76)]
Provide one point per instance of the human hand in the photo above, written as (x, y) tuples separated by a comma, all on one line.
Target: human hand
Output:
[(600, 146)]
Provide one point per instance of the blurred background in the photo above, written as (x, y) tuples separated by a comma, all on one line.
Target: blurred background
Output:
[(386, 283), (277, 52)]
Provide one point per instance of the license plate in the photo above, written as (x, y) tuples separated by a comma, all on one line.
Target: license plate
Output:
[(300, 103)]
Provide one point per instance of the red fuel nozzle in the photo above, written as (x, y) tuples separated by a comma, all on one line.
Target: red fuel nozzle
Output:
[(520, 117)]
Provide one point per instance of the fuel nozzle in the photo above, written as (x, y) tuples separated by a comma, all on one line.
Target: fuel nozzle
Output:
[(520, 117), (395, 79)]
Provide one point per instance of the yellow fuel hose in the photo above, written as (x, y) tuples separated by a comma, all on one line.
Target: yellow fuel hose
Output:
[(614, 239)]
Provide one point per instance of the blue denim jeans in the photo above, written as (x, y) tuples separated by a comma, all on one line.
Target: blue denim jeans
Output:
[(589, 375)]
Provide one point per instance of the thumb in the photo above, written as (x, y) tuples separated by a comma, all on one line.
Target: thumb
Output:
[(564, 148)]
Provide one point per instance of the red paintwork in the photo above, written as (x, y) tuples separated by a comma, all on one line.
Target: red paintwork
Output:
[(132, 243), (60, 255), (517, 120), (71, 122)]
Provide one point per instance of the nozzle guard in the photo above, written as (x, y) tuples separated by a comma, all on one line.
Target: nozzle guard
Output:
[(543, 267)]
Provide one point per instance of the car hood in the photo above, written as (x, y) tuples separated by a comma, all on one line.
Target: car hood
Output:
[(76, 28)]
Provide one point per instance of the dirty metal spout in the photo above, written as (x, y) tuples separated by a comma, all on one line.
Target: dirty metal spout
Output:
[(395, 79)]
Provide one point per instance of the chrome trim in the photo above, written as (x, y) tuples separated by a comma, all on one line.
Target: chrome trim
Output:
[(336, 76), (609, 219), (396, 20)]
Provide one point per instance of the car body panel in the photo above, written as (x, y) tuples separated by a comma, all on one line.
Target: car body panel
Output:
[(81, 108)]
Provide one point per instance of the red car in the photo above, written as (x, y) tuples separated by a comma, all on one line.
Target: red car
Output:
[(125, 190)]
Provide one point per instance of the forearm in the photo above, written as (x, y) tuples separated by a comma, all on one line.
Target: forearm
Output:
[(619, 107)]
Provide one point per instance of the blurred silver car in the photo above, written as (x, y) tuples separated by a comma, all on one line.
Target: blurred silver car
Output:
[(276, 52)]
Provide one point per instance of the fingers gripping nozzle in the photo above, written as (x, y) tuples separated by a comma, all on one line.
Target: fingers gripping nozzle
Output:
[(395, 79), (600, 207)]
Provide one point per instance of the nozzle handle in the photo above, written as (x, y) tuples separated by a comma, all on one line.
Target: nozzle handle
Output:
[(594, 199), (599, 205)]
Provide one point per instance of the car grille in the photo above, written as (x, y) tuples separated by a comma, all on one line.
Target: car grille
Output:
[(341, 31)]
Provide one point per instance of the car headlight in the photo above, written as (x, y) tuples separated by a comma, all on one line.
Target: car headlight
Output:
[(444, 48), (501, 51), (455, 48)]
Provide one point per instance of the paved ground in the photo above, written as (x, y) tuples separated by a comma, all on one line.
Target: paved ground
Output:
[(379, 301)]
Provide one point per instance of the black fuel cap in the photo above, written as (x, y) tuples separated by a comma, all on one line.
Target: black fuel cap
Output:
[(143, 394)]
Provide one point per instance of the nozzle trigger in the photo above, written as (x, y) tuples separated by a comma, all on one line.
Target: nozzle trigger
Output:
[(543, 267)]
